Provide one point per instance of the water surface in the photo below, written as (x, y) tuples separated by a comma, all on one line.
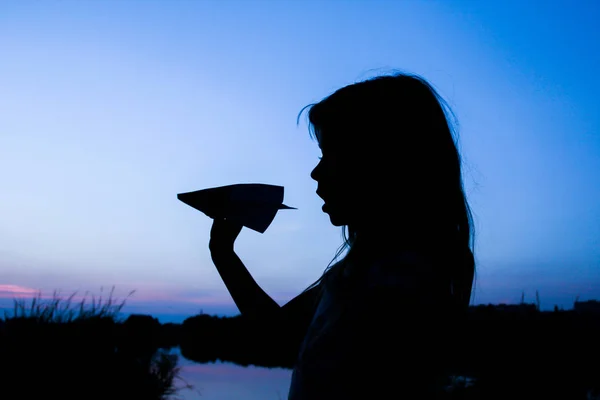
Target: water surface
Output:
[(228, 381)]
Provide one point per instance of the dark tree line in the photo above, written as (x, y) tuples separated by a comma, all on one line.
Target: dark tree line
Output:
[(509, 351)]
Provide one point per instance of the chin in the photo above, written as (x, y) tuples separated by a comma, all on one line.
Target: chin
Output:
[(336, 223), (336, 216), (336, 220)]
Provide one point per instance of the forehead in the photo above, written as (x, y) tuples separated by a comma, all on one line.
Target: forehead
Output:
[(335, 140)]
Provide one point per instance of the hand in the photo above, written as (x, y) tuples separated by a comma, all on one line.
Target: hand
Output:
[(223, 234)]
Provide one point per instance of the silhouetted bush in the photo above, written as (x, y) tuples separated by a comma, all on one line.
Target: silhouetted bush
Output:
[(56, 349)]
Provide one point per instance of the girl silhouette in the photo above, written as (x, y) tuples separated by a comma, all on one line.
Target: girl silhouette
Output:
[(381, 321)]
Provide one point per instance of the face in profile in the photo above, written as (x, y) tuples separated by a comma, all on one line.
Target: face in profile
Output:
[(334, 186)]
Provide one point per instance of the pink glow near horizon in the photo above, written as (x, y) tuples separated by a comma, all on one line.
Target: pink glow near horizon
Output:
[(154, 295), (10, 291)]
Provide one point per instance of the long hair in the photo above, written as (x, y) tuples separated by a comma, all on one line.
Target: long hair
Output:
[(399, 129)]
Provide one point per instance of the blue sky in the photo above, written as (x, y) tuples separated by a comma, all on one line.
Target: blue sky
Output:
[(109, 109)]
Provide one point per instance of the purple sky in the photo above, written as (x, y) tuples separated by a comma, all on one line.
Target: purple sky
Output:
[(109, 109)]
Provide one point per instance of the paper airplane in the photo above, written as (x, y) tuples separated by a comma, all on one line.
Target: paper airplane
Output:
[(254, 205)]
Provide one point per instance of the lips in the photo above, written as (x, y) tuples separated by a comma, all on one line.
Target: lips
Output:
[(322, 197)]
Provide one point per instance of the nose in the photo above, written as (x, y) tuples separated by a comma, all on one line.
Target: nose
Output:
[(315, 174)]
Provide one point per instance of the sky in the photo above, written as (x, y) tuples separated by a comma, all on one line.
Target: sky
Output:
[(109, 109)]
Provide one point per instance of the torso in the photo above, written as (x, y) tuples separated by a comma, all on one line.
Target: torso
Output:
[(323, 353)]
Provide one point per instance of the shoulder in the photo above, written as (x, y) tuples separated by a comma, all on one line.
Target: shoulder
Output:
[(405, 282), (399, 298)]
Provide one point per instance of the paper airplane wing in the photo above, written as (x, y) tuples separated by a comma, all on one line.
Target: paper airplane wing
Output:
[(254, 205)]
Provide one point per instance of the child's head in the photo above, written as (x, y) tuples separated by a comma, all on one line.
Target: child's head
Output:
[(390, 166), (391, 173)]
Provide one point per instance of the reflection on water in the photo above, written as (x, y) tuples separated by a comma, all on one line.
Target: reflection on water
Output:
[(225, 381)]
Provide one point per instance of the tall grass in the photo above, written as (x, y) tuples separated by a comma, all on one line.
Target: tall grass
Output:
[(60, 310), (167, 371), (45, 338)]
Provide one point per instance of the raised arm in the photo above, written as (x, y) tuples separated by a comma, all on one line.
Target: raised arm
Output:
[(249, 297)]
